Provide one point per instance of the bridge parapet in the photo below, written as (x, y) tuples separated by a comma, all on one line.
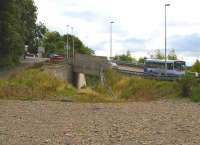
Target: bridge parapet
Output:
[(92, 65)]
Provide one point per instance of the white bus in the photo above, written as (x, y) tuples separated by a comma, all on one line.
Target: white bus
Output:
[(157, 67)]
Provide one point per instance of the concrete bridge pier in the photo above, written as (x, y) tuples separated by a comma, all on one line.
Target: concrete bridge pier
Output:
[(80, 80)]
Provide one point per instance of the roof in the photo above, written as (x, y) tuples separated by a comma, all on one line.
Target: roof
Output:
[(159, 60)]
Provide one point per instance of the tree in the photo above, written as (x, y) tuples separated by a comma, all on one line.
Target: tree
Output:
[(18, 18), (39, 36), (79, 47), (196, 67), (141, 59), (172, 55), (125, 57), (29, 17), (55, 43), (158, 55)]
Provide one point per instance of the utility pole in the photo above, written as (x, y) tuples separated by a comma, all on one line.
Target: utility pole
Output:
[(112, 22), (67, 41), (73, 51), (166, 5)]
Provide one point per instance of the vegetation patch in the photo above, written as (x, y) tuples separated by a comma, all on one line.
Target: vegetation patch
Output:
[(34, 84), (122, 88), (190, 87), (195, 96)]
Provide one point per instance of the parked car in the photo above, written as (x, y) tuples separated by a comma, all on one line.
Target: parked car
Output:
[(113, 64), (57, 58), (28, 55)]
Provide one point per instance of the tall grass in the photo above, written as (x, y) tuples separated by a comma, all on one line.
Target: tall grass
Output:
[(190, 88), (34, 84), (118, 87)]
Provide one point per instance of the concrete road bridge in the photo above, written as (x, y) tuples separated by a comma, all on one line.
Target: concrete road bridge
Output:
[(75, 69)]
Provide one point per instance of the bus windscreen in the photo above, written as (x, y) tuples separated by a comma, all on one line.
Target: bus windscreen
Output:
[(179, 65)]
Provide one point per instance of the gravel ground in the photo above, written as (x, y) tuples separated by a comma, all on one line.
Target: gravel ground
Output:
[(61, 123)]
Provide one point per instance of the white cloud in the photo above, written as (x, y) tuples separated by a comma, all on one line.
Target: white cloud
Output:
[(142, 19)]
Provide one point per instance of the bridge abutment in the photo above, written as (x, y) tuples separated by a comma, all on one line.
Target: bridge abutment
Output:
[(80, 80)]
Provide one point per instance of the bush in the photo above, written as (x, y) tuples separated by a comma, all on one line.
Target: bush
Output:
[(186, 84), (140, 89), (196, 93), (119, 87)]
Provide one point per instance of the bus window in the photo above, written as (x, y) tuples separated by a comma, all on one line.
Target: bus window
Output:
[(170, 66), (179, 65), (162, 65)]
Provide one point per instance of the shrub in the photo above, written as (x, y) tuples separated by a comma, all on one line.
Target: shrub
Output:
[(138, 88), (196, 93), (186, 84), (121, 87)]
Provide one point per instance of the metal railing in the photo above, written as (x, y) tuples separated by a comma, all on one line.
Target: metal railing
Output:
[(146, 75), (131, 64)]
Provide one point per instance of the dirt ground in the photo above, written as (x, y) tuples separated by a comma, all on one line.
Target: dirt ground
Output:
[(62, 123)]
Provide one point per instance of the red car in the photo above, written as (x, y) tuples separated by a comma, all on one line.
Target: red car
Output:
[(57, 58)]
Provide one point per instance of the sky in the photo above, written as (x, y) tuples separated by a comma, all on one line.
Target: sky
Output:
[(138, 25)]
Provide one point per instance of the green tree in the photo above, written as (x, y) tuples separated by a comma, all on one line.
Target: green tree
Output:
[(125, 57), (172, 55), (79, 47), (29, 17), (53, 43), (39, 36), (157, 54), (196, 67), (18, 18), (141, 59)]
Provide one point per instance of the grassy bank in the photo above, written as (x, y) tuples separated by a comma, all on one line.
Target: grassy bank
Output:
[(117, 87), (35, 84)]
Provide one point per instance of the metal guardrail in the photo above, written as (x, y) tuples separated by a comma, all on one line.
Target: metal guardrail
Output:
[(146, 75), (128, 64)]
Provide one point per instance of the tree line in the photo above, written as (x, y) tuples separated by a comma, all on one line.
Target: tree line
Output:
[(18, 28), (54, 42), (17, 25), (155, 55)]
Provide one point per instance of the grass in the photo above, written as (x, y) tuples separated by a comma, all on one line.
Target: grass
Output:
[(34, 84), (196, 94), (118, 87)]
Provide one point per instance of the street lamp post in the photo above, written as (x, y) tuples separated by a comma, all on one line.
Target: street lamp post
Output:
[(67, 41), (166, 5), (111, 39), (73, 52)]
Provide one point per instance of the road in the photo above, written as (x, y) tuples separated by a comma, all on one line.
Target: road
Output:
[(128, 68), (33, 60), (137, 123)]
